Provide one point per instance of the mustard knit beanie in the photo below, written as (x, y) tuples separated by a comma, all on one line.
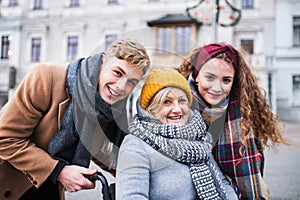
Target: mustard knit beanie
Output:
[(162, 78)]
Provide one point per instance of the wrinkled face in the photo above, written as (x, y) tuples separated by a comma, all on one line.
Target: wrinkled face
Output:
[(215, 80), (117, 79), (174, 109)]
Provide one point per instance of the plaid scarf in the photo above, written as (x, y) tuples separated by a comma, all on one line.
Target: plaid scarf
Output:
[(187, 144), (244, 165)]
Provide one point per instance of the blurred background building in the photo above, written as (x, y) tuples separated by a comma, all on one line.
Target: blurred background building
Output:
[(33, 31)]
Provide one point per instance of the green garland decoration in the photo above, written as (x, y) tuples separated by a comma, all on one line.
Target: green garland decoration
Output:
[(234, 22)]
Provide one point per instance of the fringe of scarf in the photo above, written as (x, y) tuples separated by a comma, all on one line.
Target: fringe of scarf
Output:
[(243, 165), (187, 144)]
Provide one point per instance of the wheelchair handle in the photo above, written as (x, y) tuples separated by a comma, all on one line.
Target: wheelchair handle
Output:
[(105, 186)]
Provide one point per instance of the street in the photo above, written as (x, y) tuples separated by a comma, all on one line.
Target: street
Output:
[(282, 171)]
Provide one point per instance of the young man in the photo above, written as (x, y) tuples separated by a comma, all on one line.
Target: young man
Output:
[(47, 129)]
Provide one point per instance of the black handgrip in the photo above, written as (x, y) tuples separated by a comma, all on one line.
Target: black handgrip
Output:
[(105, 186), (93, 177)]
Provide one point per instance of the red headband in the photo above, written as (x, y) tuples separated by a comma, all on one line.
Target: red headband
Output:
[(212, 50)]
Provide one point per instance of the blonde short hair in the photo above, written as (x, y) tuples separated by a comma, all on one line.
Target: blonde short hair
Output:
[(157, 101), (131, 51)]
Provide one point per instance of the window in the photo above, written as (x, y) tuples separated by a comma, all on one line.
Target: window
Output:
[(174, 33), (113, 2), (5, 47), (3, 98), (72, 47), (247, 45), (175, 38), (247, 4), (13, 3), (74, 3), (163, 40), (296, 90), (36, 49), (183, 39), (296, 31), (109, 39), (270, 88), (38, 4)]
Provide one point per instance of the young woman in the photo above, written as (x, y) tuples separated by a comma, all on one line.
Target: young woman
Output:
[(167, 154), (236, 113)]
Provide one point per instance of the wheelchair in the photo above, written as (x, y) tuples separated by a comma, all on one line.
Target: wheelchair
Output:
[(108, 190)]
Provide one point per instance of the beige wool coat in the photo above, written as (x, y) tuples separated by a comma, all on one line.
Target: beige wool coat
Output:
[(27, 123)]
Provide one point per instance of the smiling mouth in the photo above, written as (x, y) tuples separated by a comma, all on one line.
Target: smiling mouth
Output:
[(215, 95), (113, 92), (175, 118)]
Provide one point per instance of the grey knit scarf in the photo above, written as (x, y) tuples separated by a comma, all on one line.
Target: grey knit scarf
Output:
[(86, 112), (187, 144)]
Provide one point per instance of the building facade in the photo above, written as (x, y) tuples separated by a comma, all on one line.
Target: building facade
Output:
[(287, 58), (33, 31)]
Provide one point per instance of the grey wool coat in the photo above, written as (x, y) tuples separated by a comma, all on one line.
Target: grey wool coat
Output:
[(144, 173)]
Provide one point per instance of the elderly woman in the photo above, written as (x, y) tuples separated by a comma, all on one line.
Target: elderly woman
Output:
[(167, 154)]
